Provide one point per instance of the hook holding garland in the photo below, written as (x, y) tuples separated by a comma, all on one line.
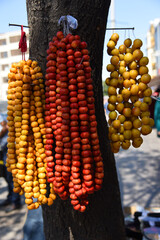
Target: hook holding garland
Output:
[(68, 22)]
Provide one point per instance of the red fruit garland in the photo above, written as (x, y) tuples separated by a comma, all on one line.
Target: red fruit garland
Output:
[(74, 162)]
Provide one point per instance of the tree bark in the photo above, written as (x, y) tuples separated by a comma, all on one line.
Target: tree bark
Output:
[(103, 219)]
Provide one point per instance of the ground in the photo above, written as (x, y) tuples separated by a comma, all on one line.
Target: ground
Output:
[(139, 178)]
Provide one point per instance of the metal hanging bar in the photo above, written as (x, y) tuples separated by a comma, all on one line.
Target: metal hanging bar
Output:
[(17, 25), (131, 28)]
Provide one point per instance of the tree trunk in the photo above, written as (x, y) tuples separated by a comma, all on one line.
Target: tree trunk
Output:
[(103, 218)]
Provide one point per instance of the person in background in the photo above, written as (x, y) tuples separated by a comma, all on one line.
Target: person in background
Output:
[(33, 227), (157, 112), (13, 200), (155, 94)]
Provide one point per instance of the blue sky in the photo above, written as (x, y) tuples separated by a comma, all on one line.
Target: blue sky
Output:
[(12, 11), (135, 13)]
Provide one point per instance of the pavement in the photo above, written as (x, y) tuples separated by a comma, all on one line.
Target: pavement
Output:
[(139, 179), (11, 224), (139, 173)]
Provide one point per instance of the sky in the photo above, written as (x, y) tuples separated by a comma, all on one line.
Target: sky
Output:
[(12, 11), (135, 13)]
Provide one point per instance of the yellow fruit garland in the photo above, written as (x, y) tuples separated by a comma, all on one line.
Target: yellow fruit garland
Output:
[(26, 133), (129, 94)]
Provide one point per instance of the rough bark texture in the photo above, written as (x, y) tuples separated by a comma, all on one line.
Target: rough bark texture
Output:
[(103, 219)]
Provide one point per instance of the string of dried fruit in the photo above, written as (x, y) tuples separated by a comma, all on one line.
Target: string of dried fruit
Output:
[(65, 108), (63, 78), (87, 132), (59, 153), (98, 161), (39, 100), (55, 116), (86, 153), (75, 185), (10, 118), (78, 162), (27, 138), (18, 172), (129, 94), (66, 112), (38, 128), (50, 109), (11, 156), (81, 146), (24, 108), (30, 177)]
